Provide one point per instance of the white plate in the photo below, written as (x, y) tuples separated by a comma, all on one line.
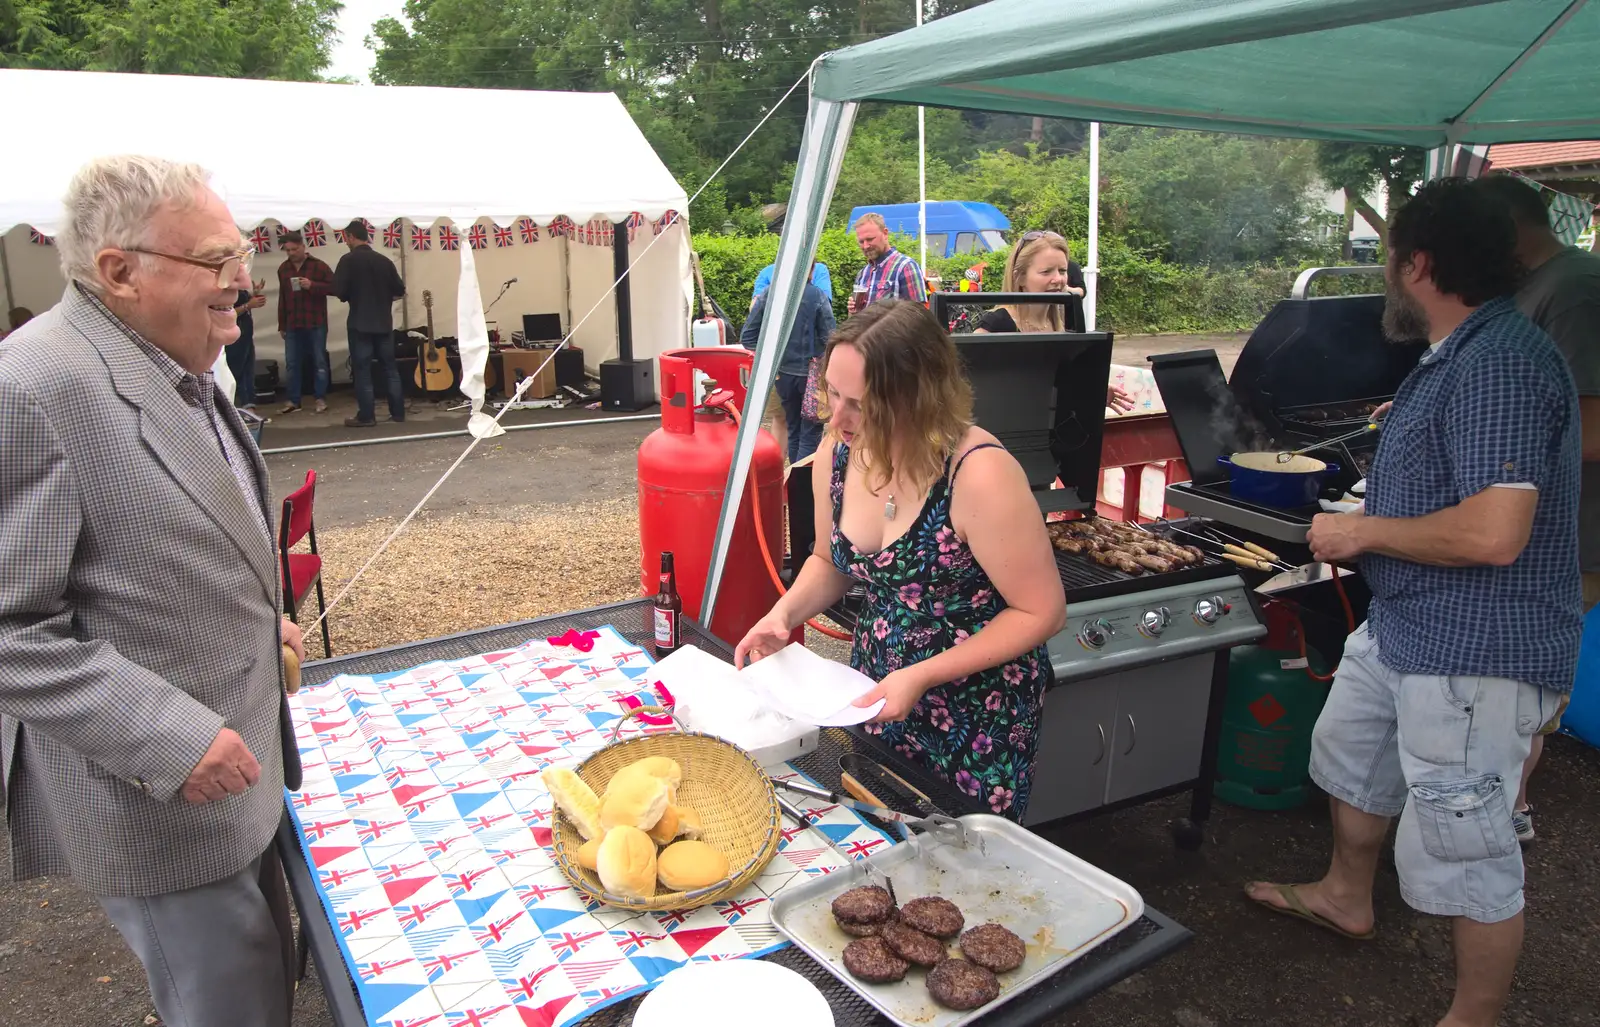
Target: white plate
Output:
[(731, 992)]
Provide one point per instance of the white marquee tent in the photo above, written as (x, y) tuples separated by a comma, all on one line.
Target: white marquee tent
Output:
[(285, 153)]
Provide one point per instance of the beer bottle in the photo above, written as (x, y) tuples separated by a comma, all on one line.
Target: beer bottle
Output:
[(668, 607)]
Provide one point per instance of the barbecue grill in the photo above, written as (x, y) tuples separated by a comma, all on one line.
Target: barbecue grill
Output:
[(1140, 669), (1312, 370)]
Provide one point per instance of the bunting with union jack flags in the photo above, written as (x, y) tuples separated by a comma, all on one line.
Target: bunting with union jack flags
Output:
[(478, 237), (429, 833), (529, 229), (449, 238), (394, 234), (503, 237), (261, 239), (422, 238)]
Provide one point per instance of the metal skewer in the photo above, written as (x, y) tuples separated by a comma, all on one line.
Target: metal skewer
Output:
[(1260, 552), (1287, 455), (1241, 554)]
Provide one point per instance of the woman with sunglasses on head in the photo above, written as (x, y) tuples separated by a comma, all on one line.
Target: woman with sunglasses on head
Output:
[(1041, 262), (933, 515)]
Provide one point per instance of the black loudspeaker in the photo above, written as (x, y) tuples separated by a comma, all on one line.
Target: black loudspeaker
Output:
[(569, 367), (266, 380), (627, 384)]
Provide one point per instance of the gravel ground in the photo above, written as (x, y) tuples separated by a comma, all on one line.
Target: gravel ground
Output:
[(563, 548)]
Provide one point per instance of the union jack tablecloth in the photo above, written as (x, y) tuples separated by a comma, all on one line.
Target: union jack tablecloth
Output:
[(423, 818)]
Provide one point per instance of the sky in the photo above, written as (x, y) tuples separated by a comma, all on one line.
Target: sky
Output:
[(350, 57)]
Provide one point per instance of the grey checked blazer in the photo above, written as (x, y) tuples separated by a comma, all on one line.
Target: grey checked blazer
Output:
[(139, 605)]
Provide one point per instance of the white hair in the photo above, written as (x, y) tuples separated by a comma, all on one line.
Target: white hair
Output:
[(111, 203)]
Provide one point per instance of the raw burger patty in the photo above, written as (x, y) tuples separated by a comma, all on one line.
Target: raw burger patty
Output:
[(913, 946), (870, 960), (993, 948), (933, 915), (958, 984), (868, 904)]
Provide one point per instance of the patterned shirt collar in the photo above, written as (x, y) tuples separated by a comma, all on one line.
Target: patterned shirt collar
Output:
[(196, 389), (1443, 349)]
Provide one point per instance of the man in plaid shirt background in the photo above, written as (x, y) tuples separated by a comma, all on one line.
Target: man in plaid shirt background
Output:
[(889, 274), (304, 285)]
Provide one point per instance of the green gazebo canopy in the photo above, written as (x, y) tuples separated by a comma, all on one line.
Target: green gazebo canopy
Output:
[(1391, 71)]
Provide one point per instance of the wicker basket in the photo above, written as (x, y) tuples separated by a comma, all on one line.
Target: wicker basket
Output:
[(736, 801)]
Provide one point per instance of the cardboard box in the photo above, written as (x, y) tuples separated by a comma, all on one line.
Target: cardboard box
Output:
[(518, 364)]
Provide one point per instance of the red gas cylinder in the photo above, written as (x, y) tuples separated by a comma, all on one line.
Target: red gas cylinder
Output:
[(683, 474)]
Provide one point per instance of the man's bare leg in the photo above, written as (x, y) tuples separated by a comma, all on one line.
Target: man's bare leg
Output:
[(1344, 895), (1486, 958)]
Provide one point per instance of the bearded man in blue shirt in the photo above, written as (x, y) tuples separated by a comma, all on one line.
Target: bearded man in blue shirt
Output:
[(1469, 542)]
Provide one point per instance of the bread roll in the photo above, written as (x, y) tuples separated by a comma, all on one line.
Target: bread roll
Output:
[(626, 863), (633, 800), (658, 767), (576, 799), (685, 866), (688, 822), (589, 854), (666, 828), (291, 670)]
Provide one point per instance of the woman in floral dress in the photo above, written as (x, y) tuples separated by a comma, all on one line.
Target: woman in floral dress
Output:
[(934, 516)]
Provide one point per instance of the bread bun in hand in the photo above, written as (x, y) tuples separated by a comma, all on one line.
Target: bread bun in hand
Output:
[(291, 670), (589, 854), (626, 863), (685, 866), (666, 828), (575, 799), (633, 800)]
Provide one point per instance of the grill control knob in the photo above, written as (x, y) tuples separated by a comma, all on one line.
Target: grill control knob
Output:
[(1206, 611), (1095, 633), (1154, 622)]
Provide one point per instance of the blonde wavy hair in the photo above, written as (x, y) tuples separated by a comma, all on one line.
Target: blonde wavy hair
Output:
[(916, 390), (1030, 245)]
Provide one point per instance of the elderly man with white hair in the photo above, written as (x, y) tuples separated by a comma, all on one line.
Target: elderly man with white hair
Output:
[(144, 733)]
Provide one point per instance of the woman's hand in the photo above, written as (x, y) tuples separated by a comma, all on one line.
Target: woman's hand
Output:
[(900, 691), (765, 637), (1119, 400)]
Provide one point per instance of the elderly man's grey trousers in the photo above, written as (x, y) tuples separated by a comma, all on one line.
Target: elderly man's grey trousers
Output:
[(221, 955)]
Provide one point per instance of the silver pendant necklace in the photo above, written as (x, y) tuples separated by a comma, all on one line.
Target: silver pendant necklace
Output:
[(888, 508)]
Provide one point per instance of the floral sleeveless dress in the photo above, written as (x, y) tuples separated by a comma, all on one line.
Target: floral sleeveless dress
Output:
[(926, 593)]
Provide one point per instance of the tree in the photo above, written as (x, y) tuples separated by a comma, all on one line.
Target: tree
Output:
[(1357, 168), (283, 39), (1202, 198)]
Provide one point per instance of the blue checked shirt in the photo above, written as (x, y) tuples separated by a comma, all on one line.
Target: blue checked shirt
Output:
[(1494, 404)]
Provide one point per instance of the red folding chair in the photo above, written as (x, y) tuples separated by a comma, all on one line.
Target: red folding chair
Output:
[(301, 572)]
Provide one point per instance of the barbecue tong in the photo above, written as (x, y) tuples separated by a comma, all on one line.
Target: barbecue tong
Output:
[(943, 828)]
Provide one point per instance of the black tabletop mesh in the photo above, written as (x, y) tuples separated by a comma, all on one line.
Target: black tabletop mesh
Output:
[(1141, 944)]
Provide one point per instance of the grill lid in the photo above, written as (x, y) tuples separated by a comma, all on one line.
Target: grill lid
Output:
[(1319, 352)]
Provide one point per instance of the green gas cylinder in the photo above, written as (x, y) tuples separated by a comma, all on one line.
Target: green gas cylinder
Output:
[(1264, 751)]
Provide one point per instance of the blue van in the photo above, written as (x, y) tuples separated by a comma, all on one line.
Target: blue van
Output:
[(954, 226)]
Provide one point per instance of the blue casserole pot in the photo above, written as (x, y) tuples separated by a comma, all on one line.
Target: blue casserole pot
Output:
[(1285, 489)]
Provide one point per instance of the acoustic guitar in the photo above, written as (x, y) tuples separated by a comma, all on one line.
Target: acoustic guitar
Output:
[(433, 370)]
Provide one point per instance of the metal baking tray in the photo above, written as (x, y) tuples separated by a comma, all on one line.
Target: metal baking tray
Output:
[(1059, 905)]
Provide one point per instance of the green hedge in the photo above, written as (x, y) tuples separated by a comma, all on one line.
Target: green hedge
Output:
[(1137, 294)]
